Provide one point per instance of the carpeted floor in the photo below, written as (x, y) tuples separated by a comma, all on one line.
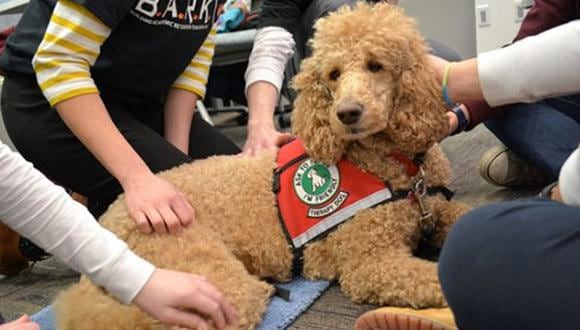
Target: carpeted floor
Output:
[(29, 292)]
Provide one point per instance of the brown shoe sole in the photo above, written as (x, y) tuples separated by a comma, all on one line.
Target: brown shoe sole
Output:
[(12, 262), (384, 320)]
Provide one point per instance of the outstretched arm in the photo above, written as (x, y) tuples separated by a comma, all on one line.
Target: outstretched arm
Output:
[(509, 74), (62, 64), (36, 208), (273, 46), (185, 91)]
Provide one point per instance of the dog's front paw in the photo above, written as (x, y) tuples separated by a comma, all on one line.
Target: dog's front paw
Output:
[(320, 261)]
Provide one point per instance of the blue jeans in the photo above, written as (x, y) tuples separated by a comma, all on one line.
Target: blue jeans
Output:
[(514, 265), (545, 133)]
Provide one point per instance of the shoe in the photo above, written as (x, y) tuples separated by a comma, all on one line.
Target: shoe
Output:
[(393, 318), (12, 261), (502, 167), (31, 251)]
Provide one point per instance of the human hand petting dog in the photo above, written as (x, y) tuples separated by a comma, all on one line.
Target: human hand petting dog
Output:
[(156, 205), (172, 297), (262, 135), (440, 66), (264, 139), (454, 120)]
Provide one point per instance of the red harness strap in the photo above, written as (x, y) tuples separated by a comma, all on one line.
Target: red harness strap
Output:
[(411, 165), (314, 198)]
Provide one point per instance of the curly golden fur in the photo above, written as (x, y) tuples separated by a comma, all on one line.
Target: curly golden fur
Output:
[(370, 59)]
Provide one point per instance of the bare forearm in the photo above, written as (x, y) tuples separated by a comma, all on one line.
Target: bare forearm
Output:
[(262, 99), (179, 111), (464, 81), (89, 120), (262, 135)]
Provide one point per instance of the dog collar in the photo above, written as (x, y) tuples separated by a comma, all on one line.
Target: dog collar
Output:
[(412, 166)]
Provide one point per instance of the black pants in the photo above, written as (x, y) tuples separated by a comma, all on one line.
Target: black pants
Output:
[(514, 266), (41, 136)]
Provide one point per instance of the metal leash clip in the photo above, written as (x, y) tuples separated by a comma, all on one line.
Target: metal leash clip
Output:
[(419, 189)]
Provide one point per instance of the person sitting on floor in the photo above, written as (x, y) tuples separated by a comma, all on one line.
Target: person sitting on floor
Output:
[(36, 208), (513, 265), (100, 95), (537, 136)]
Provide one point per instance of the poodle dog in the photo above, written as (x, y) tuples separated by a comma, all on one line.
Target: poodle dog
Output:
[(368, 96)]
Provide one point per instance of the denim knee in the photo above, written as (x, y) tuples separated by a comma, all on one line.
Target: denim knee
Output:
[(462, 242)]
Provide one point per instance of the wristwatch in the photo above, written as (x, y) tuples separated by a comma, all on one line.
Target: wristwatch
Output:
[(461, 119)]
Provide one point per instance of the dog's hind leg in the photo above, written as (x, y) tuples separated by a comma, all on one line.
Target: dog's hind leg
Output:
[(446, 213), (197, 251), (393, 280)]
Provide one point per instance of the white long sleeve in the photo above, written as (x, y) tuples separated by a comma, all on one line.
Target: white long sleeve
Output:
[(534, 68), (36, 208), (273, 47), (569, 180)]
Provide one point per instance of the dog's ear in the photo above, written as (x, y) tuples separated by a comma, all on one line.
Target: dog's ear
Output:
[(310, 117), (418, 119)]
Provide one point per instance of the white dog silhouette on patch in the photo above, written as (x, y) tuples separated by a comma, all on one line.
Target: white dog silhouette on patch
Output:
[(317, 180)]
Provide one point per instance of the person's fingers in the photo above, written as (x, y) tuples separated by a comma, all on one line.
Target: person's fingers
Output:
[(185, 319), (156, 220), (31, 326), (23, 319), (253, 149), (452, 122), (283, 139), (206, 305), (183, 209), (231, 313), (170, 219), (227, 308), (142, 222), (247, 149), (22, 323), (20, 326), (249, 146)]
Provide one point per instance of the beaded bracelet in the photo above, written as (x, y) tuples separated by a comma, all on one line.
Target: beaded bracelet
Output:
[(446, 96)]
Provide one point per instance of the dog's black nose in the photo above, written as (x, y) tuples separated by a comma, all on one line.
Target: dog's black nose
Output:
[(349, 113)]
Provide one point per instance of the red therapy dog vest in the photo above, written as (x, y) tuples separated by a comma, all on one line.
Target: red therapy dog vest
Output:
[(314, 198)]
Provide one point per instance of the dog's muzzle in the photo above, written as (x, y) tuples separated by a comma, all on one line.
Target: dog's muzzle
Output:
[(349, 113)]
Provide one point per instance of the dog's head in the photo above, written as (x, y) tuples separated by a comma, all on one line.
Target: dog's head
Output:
[(368, 78)]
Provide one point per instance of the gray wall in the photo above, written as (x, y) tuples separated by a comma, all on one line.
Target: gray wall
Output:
[(451, 22), (502, 25)]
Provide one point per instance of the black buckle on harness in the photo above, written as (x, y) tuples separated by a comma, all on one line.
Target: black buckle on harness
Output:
[(282, 293)]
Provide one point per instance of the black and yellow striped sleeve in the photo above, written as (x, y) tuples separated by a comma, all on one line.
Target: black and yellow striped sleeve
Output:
[(69, 48), (195, 76)]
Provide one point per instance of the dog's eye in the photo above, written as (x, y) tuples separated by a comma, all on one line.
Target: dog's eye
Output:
[(334, 74), (374, 66)]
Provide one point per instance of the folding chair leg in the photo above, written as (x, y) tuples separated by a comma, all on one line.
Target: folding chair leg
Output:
[(202, 110)]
